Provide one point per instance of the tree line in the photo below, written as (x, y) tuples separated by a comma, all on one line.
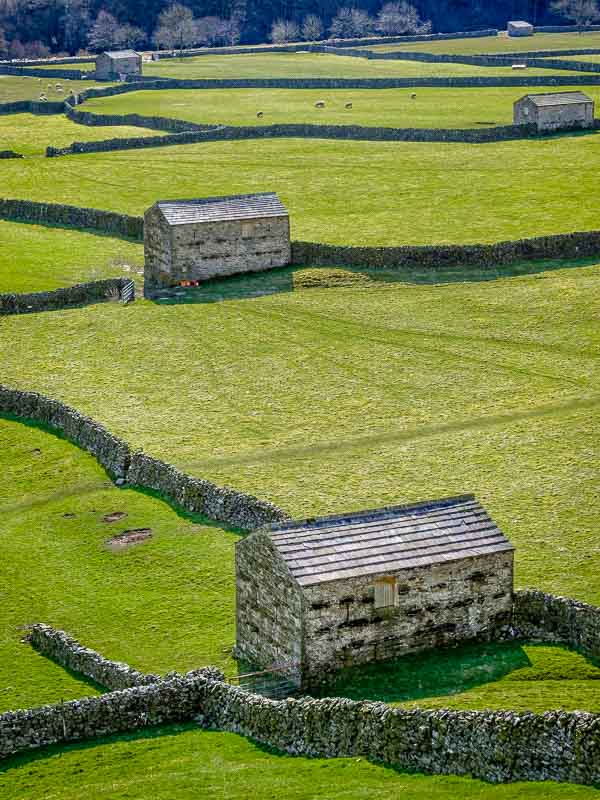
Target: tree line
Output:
[(37, 28)]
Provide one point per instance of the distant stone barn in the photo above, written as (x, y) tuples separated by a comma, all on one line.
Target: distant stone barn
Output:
[(519, 28), (322, 594), (555, 111), (193, 240), (114, 64)]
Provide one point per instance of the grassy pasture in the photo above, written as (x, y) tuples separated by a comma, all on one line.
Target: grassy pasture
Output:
[(432, 108), (13, 87), (347, 192), (312, 65), (182, 762), (30, 134), (499, 44), (35, 258)]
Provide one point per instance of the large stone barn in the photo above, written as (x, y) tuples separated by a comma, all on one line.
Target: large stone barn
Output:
[(321, 594), (192, 240), (555, 111), (117, 64), (519, 28)]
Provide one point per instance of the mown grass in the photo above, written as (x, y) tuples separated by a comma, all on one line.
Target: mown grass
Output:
[(347, 192), (431, 108), (35, 258), (312, 65), (181, 762), (500, 44), (164, 604), (30, 134)]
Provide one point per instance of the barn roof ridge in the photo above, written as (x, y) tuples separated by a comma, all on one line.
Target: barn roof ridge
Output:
[(391, 538), (556, 98), (120, 53)]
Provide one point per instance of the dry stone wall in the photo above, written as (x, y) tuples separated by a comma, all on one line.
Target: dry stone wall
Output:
[(78, 295), (32, 107), (135, 120)]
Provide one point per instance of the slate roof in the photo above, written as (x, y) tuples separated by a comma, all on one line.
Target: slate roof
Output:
[(557, 98), (520, 23), (387, 540), (121, 53), (219, 209)]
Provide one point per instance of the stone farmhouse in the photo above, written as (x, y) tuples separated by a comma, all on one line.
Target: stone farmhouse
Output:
[(317, 595), (116, 64), (519, 28), (555, 110), (193, 240)]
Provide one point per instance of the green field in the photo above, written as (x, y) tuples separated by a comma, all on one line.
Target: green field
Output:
[(500, 44), (321, 389), (431, 108), (312, 65), (36, 258), (353, 192), (23, 88), (30, 134)]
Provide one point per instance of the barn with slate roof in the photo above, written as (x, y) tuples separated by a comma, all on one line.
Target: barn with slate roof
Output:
[(193, 240), (555, 111), (113, 65), (519, 28), (317, 595)]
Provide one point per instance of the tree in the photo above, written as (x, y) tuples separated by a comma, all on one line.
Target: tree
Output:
[(175, 28), (104, 33), (312, 28), (3, 45), (130, 36), (581, 12), (284, 30), (75, 23), (400, 17), (210, 30), (350, 23)]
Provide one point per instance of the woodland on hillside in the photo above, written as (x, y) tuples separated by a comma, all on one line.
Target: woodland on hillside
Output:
[(36, 28)]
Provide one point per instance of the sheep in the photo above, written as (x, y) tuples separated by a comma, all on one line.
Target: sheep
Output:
[(348, 105), (259, 113), (49, 87), (413, 96), (320, 104), (59, 85), (43, 98), (60, 91)]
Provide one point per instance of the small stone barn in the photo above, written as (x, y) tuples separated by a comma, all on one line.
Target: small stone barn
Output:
[(193, 240), (555, 111), (321, 594), (519, 28), (111, 65)]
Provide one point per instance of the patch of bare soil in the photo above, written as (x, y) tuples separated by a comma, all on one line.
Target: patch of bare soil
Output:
[(129, 538), (114, 516)]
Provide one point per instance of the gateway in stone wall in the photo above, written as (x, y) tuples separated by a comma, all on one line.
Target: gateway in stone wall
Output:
[(193, 240), (322, 594), (553, 111)]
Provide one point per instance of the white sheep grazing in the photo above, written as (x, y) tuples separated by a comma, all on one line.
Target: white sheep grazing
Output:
[(259, 113), (320, 104), (348, 105), (413, 96), (60, 91), (59, 85), (49, 87)]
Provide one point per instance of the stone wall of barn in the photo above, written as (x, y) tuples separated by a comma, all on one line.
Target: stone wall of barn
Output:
[(204, 250), (438, 605), (269, 608), (108, 68)]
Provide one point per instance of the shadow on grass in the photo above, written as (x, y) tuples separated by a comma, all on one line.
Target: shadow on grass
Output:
[(435, 673), (298, 278), (64, 226)]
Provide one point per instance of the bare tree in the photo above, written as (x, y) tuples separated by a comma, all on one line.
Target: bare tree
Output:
[(210, 30), (581, 12), (3, 45), (351, 23), (175, 29), (400, 17), (284, 30), (130, 36), (312, 28), (103, 33)]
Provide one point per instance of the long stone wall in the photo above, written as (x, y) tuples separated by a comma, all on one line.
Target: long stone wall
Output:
[(497, 746), (34, 72), (78, 295), (221, 503), (134, 120), (32, 107), (72, 216)]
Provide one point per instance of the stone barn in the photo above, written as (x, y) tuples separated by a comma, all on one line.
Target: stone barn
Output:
[(321, 594), (555, 111), (519, 28), (193, 240), (112, 65)]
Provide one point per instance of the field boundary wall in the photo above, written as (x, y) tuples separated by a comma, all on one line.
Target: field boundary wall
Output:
[(65, 297)]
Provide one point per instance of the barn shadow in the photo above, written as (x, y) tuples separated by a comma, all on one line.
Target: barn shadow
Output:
[(299, 278)]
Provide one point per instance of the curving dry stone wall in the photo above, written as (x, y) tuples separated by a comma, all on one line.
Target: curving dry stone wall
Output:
[(78, 295), (111, 451)]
